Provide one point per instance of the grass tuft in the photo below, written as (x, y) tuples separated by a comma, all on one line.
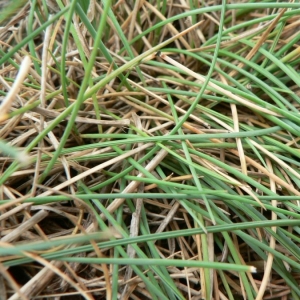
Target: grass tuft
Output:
[(150, 150)]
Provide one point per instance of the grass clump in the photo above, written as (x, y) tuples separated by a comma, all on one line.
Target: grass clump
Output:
[(150, 150)]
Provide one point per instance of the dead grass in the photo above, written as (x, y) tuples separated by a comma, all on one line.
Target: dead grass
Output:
[(223, 178)]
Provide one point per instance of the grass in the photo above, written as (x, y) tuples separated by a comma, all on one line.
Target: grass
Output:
[(150, 150)]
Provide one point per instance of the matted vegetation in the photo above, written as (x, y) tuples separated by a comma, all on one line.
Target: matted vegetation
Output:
[(150, 150)]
